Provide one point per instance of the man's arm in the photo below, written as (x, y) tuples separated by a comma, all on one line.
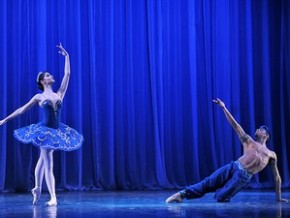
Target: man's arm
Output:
[(237, 127), (277, 179)]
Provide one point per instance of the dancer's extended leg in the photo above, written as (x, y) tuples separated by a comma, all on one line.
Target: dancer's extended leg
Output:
[(39, 173)]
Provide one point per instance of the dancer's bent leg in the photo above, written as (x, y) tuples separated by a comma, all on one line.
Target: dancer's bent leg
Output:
[(239, 180)]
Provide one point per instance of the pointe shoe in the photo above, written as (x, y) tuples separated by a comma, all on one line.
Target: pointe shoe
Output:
[(36, 192), (174, 198), (52, 202)]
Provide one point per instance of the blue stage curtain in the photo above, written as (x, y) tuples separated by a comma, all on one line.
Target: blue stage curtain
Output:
[(143, 76)]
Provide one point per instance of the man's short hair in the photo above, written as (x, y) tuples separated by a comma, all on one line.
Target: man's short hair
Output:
[(268, 132)]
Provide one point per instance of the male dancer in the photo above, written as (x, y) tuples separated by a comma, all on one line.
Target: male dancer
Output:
[(231, 178)]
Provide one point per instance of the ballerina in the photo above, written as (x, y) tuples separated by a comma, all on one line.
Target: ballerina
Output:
[(49, 134)]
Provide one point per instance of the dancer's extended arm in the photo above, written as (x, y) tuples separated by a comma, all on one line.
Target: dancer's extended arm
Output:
[(22, 109)]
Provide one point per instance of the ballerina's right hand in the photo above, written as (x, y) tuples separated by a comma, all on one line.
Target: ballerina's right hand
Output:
[(2, 122)]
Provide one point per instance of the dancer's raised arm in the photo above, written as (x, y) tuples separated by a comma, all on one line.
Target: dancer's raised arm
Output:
[(244, 138), (65, 80)]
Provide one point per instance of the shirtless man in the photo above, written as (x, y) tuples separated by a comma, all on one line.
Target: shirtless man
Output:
[(231, 178)]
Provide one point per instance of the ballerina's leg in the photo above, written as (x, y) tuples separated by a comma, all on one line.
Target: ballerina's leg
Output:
[(49, 177), (39, 174)]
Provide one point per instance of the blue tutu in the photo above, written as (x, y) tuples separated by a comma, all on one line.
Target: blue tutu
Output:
[(63, 138), (50, 133)]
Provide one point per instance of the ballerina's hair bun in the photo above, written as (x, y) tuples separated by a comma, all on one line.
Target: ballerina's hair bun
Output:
[(40, 77)]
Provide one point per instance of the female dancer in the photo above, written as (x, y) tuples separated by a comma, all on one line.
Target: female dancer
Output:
[(49, 134)]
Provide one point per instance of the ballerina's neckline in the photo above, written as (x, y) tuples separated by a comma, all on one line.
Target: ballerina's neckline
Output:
[(53, 103)]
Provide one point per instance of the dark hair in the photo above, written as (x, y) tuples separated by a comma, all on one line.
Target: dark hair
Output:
[(40, 77), (268, 132)]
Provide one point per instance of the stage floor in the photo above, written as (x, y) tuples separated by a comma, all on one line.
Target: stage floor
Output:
[(139, 204)]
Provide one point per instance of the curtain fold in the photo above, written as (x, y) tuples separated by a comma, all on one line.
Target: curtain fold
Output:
[(143, 76)]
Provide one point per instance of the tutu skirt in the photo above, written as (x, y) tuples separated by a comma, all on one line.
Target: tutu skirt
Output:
[(62, 138)]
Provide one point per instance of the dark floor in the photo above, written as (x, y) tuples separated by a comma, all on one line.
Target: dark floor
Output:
[(140, 204)]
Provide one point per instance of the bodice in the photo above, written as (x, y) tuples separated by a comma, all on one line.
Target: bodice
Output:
[(51, 113)]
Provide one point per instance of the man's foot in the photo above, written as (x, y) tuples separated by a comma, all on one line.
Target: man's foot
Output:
[(52, 202), (174, 198), (36, 192)]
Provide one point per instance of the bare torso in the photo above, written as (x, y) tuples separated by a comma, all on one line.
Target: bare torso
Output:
[(256, 156)]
